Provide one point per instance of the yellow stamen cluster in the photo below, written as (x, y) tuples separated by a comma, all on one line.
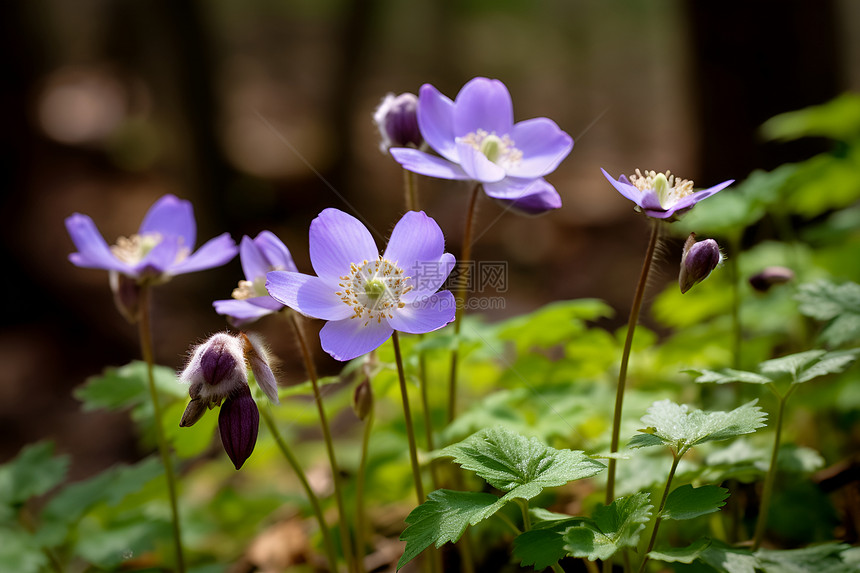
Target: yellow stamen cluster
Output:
[(669, 189), (133, 249), (246, 290), (373, 289), (499, 150)]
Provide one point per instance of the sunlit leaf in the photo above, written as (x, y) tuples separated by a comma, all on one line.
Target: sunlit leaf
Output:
[(806, 366), (127, 386), (443, 518), (727, 375), (614, 526), (688, 502), (681, 554)]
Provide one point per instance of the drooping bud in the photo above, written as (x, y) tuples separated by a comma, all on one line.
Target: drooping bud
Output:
[(771, 276), (216, 369), (697, 262), (238, 424), (126, 296), (193, 412), (397, 121), (362, 399)]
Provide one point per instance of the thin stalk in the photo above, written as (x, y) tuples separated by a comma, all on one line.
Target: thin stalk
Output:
[(556, 567), (145, 334), (460, 299), (625, 356), (428, 422), (508, 522), (675, 460), (767, 492), (360, 516), (303, 478), (407, 415), (590, 566), (329, 443), (527, 519), (410, 187)]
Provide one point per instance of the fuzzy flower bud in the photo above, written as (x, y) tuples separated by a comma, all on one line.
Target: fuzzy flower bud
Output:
[(238, 424), (771, 276), (697, 262), (362, 400), (397, 121)]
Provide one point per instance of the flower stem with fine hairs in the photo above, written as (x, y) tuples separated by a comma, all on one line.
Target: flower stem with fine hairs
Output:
[(675, 459), (329, 444), (312, 497), (460, 299), (625, 356), (360, 515), (407, 416), (145, 333)]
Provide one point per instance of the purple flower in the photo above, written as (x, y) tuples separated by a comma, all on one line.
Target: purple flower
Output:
[(478, 140), (662, 195), (251, 300), (365, 296), (218, 372), (163, 246)]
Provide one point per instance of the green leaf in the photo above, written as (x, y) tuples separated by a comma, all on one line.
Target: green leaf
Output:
[(681, 554), (127, 386), (837, 119), (681, 427), (20, 553), (825, 558), (541, 547), (688, 502), (552, 324), (614, 526), (805, 366), (727, 559), (33, 472), (839, 304), (443, 518), (727, 375), (520, 466)]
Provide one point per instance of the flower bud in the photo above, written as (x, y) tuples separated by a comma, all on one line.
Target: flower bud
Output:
[(126, 296), (362, 399), (238, 424), (771, 276), (216, 369), (697, 262), (397, 121), (259, 361)]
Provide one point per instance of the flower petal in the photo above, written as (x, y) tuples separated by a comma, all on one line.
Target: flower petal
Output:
[(171, 217), (275, 251), (336, 241), (307, 294), (425, 314), (242, 312), (426, 164), (254, 263), (258, 358), (93, 251), (623, 187), (426, 276), (694, 198), (483, 104), (543, 145), (436, 121), (349, 338), (416, 237), (526, 196), (238, 424), (214, 253), (477, 166)]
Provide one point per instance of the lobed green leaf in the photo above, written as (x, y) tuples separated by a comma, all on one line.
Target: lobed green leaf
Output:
[(688, 502), (839, 304), (543, 545), (612, 527), (33, 472)]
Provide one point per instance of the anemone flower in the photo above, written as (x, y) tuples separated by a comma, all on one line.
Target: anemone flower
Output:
[(662, 195), (477, 139), (365, 297), (163, 246), (250, 300)]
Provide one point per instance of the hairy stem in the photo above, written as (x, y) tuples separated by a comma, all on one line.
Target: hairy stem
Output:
[(675, 460), (303, 479), (145, 334), (329, 443), (360, 515), (625, 356), (460, 299), (410, 188), (407, 416)]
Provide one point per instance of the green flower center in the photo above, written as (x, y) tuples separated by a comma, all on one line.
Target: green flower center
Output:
[(373, 289), (499, 150), (668, 188)]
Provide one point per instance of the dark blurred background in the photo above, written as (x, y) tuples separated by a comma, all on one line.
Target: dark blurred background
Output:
[(256, 111)]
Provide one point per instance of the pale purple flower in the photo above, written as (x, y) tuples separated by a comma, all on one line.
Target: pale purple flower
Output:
[(163, 246), (365, 296), (250, 300), (661, 195), (477, 139)]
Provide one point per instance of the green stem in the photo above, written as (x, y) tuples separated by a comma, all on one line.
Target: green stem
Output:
[(767, 492), (625, 356), (556, 567), (329, 443), (145, 334), (428, 422), (407, 416), (460, 299), (527, 519), (675, 460), (410, 186), (303, 478), (508, 521), (360, 516)]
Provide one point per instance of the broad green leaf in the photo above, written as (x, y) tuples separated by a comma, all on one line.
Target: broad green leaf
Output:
[(727, 559), (806, 366), (33, 472), (837, 119), (823, 558), (443, 518), (839, 304), (20, 553), (727, 375), (520, 466), (681, 554), (127, 386), (614, 526), (688, 502), (682, 427), (107, 546), (543, 546)]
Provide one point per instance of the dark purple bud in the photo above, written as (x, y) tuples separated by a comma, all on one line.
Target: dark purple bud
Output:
[(216, 368), (362, 400), (697, 262), (769, 277), (397, 121), (217, 362), (126, 296), (238, 424), (193, 412)]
